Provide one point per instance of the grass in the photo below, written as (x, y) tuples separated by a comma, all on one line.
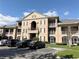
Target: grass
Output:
[(74, 50)]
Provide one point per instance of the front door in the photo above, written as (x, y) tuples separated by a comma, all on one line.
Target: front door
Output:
[(32, 35)]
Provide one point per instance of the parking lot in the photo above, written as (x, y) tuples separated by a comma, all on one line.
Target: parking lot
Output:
[(13, 52)]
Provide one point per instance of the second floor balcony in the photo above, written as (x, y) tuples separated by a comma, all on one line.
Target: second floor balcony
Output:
[(72, 32), (51, 32), (19, 33), (32, 30), (51, 25)]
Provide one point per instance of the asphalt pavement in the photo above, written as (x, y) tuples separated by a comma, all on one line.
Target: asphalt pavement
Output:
[(13, 52)]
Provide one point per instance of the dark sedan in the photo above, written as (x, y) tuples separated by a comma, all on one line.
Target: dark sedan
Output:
[(12, 42), (31, 44), (23, 44)]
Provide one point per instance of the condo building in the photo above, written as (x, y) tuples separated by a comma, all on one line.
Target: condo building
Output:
[(47, 28)]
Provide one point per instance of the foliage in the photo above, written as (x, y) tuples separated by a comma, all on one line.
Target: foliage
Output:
[(70, 51)]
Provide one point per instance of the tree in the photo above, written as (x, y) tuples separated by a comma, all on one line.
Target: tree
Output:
[(69, 37)]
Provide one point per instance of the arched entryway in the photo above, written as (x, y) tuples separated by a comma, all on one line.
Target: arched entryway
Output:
[(65, 39), (33, 25), (75, 39), (52, 39)]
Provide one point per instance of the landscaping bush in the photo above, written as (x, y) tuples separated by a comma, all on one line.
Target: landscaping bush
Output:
[(61, 44), (67, 56)]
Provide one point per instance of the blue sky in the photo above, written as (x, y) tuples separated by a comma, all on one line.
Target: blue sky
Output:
[(14, 9)]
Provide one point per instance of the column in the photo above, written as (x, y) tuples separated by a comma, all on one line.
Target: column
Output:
[(78, 28), (56, 22), (78, 34)]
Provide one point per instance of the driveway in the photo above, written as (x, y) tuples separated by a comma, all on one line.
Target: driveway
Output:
[(15, 53)]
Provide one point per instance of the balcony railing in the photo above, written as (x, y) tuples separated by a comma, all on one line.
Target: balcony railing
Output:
[(52, 32), (8, 33), (72, 32), (11, 32), (51, 24), (64, 32), (18, 33), (32, 30)]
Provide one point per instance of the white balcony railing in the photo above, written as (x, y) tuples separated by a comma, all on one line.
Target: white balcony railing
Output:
[(72, 32), (51, 24), (64, 32), (32, 31), (51, 32)]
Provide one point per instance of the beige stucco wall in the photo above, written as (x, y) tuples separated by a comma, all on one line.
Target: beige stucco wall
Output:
[(58, 35), (37, 18)]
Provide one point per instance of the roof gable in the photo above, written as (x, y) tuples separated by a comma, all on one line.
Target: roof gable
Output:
[(34, 15)]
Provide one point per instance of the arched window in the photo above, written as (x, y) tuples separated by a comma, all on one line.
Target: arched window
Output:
[(65, 39), (75, 40), (52, 39), (33, 25)]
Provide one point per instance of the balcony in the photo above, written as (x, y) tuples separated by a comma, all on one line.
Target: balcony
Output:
[(51, 25), (64, 32), (32, 31), (19, 27), (72, 32), (19, 33), (52, 32), (11, 32)]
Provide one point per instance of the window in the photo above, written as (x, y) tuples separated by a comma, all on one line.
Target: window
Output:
[(52, 39), (23, 23), (19, 30), (44, 30), (23, 30), (64, 39), (26, 30), (7, 30), (40, 22), (27, 23), (44, 21), (44, 38), (40, 29), (64, 28), (40, 38), (19, 24)]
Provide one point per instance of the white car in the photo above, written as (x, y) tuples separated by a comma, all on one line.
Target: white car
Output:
[(0, 42), (3, 42)]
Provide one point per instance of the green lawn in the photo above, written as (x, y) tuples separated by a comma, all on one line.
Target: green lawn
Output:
[(74, 51)]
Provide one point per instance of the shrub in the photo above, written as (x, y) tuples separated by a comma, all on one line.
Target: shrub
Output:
[(61, 44)]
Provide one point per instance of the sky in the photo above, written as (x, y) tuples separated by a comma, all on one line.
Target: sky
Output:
[(13, 10)]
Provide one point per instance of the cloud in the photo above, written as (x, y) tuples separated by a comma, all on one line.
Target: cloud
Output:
[(26, 13), (66, 13), (51, 13), (6, 19)]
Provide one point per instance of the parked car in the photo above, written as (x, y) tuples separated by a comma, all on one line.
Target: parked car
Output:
[(31, 44), (3, 42), (37, 45), (23, 44), (12, 42)]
